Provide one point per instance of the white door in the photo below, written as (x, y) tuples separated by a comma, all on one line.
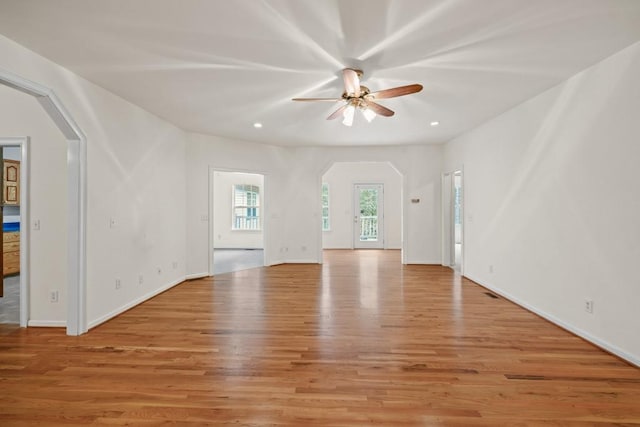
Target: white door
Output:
[(368, 219)]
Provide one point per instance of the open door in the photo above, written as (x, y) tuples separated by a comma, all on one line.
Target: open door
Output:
[(368, 231)]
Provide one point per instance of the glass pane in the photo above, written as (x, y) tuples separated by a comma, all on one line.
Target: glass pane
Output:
[(368, 215)]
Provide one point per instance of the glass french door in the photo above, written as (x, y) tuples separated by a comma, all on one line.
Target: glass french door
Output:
[(368, 231)]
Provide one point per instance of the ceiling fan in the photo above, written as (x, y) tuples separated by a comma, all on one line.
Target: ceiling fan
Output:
[(360, 97)]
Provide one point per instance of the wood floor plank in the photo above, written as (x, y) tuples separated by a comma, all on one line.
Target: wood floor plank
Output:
[(359, 340)]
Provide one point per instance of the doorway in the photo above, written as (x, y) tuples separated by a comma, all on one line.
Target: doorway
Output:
[(457, 220), (368, 203), (452, 221), (14, 200), (237, 221), (339, 226), (76, 321)]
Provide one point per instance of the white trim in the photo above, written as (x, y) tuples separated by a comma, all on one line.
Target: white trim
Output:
[(404, 209), (77, 196), (264, 209), (196, 276), (302, 261), (355, 226), (47, 323), (210, 230), (446, 242), (553, 319), (427, 262), (131, 304), (25, 224)]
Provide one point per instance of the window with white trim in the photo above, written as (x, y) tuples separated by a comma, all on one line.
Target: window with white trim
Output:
[(325, 207), (246, 207)]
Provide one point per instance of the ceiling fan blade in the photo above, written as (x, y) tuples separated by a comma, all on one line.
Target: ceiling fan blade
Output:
[(338, 112), (317, 99), (396, 91), (351, 82), (379, 109)]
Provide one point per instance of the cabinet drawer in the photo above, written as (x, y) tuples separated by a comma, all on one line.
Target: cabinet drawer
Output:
[(13, 236)]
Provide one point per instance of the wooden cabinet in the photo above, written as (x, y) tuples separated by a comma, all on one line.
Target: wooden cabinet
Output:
[(10, 253), (11, 190), (11, 197)]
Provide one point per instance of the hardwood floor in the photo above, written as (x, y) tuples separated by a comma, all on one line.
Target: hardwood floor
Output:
[(360, 340)]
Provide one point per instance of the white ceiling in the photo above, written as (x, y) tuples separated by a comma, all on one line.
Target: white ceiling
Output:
[(218, 66)]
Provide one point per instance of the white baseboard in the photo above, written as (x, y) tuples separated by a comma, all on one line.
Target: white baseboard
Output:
[(424, 262), (130, 305), (553, 319), (302, 261), (196, 276), (47, 323)]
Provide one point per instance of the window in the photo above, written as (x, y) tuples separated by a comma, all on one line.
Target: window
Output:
[(246, 207), (325, 207)]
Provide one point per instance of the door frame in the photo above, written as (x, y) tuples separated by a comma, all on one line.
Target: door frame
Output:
[(263, 208), (23, 143), (447, 219), (447, 215), (76, 321), (357, 244)]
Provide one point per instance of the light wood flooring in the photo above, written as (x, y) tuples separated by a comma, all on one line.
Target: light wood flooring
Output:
[(360, 340)]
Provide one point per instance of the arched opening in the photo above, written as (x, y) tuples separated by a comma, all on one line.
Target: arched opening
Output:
[(76, 203), (362, 206)]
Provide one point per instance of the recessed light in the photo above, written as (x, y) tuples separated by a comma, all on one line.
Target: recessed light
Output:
[(257, 125), (435, 123)]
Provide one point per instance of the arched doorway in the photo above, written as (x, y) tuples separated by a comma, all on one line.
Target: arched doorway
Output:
[(76, 203)]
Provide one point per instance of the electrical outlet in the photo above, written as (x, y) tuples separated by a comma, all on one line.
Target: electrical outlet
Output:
[(588, 306), (112, 223), (118, 283), (175, 264), (140, 279), (54, 296)]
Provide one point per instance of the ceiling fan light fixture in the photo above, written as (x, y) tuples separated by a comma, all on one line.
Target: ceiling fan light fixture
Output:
[(357, 96), (348, 115), (368, 114)]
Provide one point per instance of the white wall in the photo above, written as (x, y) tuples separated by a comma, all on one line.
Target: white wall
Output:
[(224, 235), (341, 178), (293, 176), (420, 166), (11, 213), (551, 202), (206, 152), (136, 177), (12, 153)]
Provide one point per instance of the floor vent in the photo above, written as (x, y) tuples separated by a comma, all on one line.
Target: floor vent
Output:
[(489, 294)]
